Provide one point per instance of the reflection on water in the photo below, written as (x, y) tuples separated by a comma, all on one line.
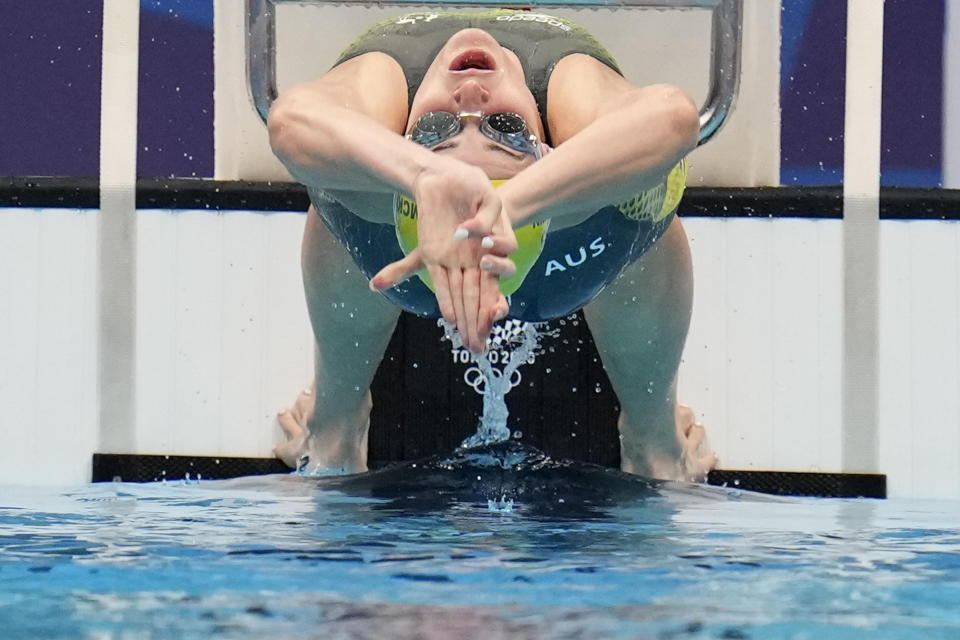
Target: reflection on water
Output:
[(416, 551)]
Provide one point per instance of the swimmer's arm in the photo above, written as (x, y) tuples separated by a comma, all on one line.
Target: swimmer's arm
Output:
[(339, 134), (613, 140)]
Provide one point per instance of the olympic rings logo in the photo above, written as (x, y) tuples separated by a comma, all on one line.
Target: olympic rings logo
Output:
[(475, 378)]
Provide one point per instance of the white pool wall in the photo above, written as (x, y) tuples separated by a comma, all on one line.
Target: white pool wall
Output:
[(221, 344), (49, 399), (223, 338)]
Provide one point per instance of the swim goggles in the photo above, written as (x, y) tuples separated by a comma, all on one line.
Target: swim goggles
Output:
[(507, 130)]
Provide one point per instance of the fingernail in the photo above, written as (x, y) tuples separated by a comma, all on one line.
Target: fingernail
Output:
[(486, 265), (373, 287), (487, 242), (460, 234)]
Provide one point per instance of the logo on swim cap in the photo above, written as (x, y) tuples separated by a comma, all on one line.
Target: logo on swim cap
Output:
[(535, 17), (530, 240)]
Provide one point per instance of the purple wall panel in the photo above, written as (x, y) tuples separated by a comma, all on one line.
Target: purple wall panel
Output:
[(175, 131), (812, 92), (50, 62), (912, 126)]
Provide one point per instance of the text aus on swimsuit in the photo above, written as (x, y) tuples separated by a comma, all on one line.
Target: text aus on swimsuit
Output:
[(594, 249)]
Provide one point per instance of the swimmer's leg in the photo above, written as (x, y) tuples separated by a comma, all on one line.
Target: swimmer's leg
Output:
[(352, 327), (639, 323)]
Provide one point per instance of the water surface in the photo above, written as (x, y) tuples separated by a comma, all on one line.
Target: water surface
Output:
[(471, 548)]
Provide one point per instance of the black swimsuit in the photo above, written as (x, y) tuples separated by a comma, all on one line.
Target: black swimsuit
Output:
[(576, 262)]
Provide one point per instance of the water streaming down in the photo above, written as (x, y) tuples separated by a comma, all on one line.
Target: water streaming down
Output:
[(521, 340)]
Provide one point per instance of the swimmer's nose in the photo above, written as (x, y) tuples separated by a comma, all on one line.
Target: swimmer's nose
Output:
[(471, 95)]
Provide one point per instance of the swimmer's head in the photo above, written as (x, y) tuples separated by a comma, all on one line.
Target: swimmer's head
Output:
[(530, 240), (473, 73)]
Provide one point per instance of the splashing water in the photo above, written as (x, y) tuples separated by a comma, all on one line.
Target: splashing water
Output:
[(523, 340)]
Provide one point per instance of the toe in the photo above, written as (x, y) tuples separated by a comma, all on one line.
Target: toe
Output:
[(287, 454), (290, 425), (303, 406), (684, 417), (695, 435)]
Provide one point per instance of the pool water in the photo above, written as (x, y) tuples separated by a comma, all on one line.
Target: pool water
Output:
[(505, 545)]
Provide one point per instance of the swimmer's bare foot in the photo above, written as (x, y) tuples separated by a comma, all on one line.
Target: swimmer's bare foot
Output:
[(686, 459), (293, 421), (330, 448), (696, 459)]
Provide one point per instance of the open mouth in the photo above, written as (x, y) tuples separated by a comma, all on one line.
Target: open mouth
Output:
[(473, 60)]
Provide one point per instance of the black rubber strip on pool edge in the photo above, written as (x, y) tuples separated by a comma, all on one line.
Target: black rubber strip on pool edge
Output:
[(121, 467), (53, 193), (226, 195), (112, 467), (896, 203), (801, 483)]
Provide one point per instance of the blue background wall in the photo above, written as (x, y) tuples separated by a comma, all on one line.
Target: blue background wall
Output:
[(812, 85), (50, 59), (912, 128), (175, 127)]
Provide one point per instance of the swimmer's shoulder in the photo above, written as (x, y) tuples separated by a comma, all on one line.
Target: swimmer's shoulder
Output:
[(581, 89), (374, 84)]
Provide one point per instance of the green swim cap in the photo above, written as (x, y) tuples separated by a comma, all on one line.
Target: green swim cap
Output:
[(530, 240)]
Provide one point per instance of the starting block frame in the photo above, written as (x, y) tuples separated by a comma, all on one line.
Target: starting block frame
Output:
[(726, 45)]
